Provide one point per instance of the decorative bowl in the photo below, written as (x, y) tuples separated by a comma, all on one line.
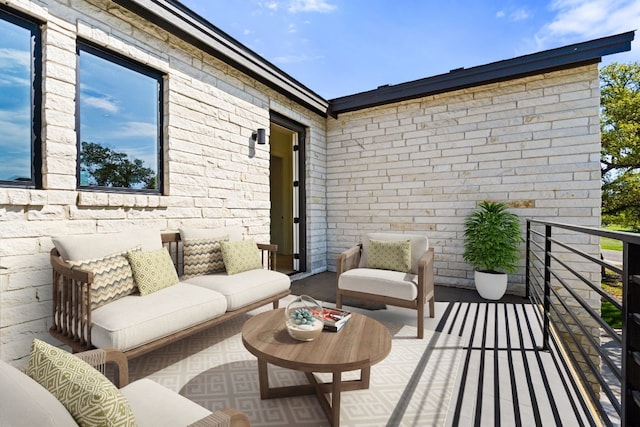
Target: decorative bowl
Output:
[(304, 318)]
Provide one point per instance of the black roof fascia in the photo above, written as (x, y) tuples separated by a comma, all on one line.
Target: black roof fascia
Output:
[(536, 63), (179, 20)]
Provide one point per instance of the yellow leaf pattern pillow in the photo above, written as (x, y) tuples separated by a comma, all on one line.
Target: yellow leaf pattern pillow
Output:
[(241, 255), (91, 399), (152, 270), (390, 255)]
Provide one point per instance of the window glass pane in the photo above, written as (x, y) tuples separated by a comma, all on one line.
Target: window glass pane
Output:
[(119, 136), (15, 102)]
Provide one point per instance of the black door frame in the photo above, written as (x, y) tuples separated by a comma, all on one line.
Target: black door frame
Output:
[(301, 130)]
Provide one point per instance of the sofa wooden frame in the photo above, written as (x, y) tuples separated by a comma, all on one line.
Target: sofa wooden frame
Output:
[(72, 301)]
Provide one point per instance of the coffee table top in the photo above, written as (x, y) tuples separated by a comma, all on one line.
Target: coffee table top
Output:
[(362, 342)]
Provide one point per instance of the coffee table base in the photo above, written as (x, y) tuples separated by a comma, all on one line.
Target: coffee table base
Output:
[(335, 387)]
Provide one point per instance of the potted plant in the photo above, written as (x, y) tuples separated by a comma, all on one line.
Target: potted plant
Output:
[(492, 245)]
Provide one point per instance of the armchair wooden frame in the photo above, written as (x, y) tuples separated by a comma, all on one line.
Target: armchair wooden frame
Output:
[(350, 259)]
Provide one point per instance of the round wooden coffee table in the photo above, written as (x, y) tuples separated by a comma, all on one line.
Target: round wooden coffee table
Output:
[(361, 343)]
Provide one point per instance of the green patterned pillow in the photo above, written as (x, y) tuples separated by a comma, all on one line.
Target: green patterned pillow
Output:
[(90, 398), (203, 256), (390, 255), (112, 277), (152, 270), (241, 255)]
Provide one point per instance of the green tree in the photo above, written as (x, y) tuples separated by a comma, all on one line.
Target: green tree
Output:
[(620, 156), (108, 168)]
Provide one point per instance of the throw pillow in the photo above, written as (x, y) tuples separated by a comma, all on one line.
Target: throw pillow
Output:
[(202, 256), (90, 398), (152, 270), (240, 256), (390, 255), (112, 277)]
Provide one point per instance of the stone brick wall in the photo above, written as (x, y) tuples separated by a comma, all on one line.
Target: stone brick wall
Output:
[(423, 165), (212, 177)]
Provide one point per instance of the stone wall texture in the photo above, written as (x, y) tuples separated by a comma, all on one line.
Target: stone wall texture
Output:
[(212, 177), (414, 166), (423, 165)]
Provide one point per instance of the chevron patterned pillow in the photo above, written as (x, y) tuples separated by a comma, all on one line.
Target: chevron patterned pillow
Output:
[(390, 255), (203, 256), (112, 277), (90, 398)]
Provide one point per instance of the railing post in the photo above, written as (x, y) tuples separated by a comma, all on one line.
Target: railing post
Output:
[(527, 282), (547, 286), (631, 335)]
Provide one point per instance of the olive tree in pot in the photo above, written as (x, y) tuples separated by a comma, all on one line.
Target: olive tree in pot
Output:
[(492, 245)]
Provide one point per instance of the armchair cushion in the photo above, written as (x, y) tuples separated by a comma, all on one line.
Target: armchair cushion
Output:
[(240, 256), (394, 284), (24, 402), (419, 245), (88, 395), (390, 255)]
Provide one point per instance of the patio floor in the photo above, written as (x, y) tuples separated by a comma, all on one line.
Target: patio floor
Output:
[(504, 377)]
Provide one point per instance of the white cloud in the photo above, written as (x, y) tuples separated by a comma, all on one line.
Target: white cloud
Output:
[(12, 58), (519, 15), (271, 5), (581, 20), (500, 14), (137, 129), (100, 103), (321, 6), (293, 29)]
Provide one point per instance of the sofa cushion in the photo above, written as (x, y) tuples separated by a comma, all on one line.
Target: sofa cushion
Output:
[(234, 233), (165, 408), (239, 256), (389, 283), (202, 256), (152, 270), (112, 277), (24, 402), (88, 395), (244, 288), (90, 246), (390, 255), (419, 245), (153, 316)]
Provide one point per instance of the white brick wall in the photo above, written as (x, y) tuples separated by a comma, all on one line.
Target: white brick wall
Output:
[(211, 178), (423, 165)]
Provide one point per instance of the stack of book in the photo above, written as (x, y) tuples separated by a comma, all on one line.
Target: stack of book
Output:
[(335, 319)]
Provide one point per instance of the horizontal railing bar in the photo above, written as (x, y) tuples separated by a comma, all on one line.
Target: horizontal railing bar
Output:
[(589, 257), (596, 316), (633, 238), (617, 371), (587, 282), (607, 390)]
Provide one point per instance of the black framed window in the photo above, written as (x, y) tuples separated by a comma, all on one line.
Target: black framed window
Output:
[(119, 123), (20, 101)]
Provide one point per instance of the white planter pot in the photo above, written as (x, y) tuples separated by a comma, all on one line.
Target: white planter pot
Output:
[(490, 286)]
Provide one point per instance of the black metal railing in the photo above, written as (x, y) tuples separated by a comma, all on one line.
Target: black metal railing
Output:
[(564, 268)]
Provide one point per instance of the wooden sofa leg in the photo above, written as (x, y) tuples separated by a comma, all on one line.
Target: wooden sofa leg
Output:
[(338, 300), (432, 307), (421, 321), (276, 304)]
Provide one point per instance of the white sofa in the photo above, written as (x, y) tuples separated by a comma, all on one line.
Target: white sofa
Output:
[(135, 324)]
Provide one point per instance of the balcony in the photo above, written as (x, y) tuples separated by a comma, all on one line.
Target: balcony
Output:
[(546, 358)]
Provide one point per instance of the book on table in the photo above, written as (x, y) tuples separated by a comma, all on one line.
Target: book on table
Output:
[(335, 318)]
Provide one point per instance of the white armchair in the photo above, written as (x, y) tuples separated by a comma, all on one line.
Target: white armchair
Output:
[(410, 289)]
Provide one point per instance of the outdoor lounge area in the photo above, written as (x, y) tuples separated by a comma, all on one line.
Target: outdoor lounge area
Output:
[(139, 140)]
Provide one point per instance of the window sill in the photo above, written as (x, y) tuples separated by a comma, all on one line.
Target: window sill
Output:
[(118, 200)]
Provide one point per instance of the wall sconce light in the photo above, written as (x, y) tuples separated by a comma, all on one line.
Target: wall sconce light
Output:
[(260, 136)]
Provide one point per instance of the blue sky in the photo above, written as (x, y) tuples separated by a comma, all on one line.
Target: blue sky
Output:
[(342, 47)]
